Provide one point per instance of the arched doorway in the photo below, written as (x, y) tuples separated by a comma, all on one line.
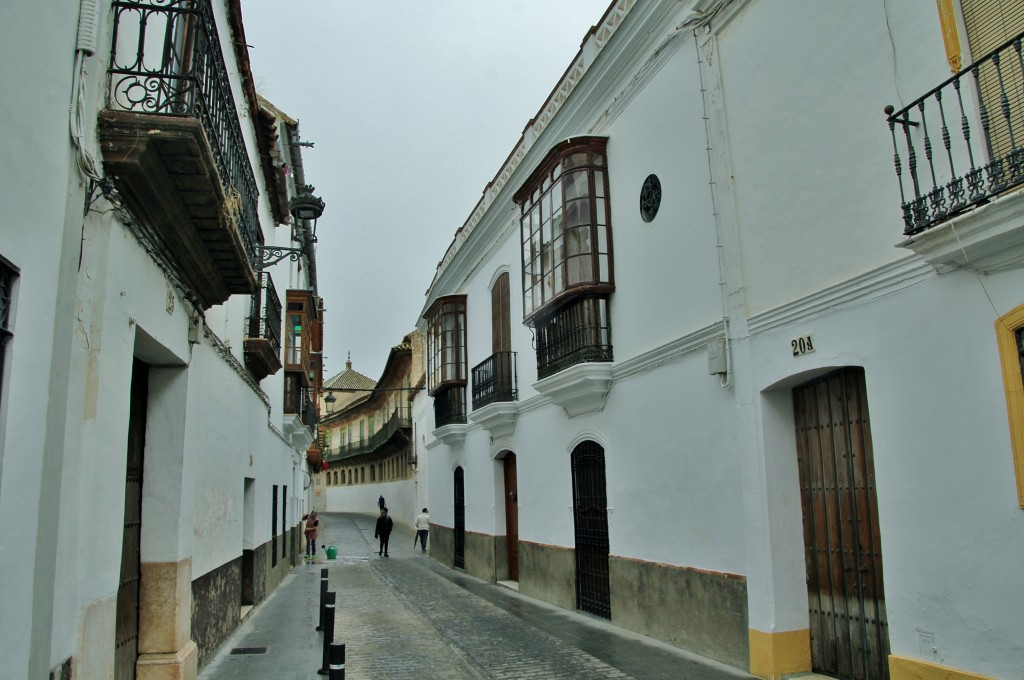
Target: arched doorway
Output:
[(842, 547), (459, 539), (511, 515), (590, 516)]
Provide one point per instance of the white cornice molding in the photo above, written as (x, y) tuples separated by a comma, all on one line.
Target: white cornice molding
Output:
[(890, 277)]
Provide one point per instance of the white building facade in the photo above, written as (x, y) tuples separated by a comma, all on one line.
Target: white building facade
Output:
[(152, 473), (705, 362)]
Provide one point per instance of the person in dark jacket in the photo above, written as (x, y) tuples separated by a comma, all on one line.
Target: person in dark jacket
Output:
[(380, 503), (383, 531)]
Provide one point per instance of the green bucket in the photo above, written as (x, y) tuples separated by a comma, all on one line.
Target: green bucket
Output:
[(332, 552)]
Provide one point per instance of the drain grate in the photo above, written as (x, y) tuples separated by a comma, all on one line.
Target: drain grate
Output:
[(249, 650)]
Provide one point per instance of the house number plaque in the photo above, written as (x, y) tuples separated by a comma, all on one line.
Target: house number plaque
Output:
[(802, 345)]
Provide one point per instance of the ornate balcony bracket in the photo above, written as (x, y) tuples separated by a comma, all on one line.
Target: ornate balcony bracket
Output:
[(498, 418), (579, 389), (452, 435), (271, 255), (985, 240)]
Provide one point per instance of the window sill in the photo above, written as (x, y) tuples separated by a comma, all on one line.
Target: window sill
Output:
[(452, 435), (985, 240), (579, 389), (498, 418)]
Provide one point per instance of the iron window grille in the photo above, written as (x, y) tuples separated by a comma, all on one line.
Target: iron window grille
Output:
[(494, 379), (450, 406), (264, 319), (577, 332)]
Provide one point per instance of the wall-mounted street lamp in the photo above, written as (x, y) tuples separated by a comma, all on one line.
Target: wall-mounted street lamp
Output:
[(329, 400), (303, 207)]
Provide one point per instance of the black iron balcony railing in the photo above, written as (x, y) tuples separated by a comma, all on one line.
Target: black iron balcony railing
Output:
[(494, 379), (450, 406), (264, 319), (166, 60), (950, 170), (400, 420), (576, 333), (298, 403)]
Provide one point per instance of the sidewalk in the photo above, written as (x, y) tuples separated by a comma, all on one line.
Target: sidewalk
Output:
[(408, 617)]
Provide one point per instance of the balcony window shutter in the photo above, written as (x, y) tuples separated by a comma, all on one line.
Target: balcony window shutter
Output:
[(990, 23), (501, 324)]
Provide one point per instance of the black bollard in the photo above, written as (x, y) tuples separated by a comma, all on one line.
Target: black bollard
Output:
[(337, 661), (323, 597), (328, 634)]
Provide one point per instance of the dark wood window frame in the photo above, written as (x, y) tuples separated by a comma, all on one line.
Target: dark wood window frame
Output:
[(565, 227), (568, 271), (447, 370)]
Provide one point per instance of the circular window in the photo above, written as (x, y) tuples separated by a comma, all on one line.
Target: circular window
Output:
[(650, 198)]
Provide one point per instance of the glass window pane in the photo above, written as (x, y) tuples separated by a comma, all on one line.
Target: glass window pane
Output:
[(599, 183)]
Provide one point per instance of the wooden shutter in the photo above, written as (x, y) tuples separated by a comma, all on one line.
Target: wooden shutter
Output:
[(501, 329), (990, 23)]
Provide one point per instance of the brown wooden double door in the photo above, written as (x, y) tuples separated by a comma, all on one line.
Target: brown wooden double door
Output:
[(849, 635)]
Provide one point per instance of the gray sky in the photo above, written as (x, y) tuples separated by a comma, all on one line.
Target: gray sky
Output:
[(412, 105)]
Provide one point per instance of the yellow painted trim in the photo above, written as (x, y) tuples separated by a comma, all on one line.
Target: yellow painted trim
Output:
[(774, 655), (902, 668), (1009, 357), (950, 34)]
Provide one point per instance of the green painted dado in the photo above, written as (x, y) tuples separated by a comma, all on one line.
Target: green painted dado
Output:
[(703, 612), (548, 573)]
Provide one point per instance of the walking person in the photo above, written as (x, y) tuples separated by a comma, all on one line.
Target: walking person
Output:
[(383, 531), (422, 529), (380, 503), (312, 521)]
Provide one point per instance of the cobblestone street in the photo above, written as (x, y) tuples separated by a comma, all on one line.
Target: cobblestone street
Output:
[(408, 617)]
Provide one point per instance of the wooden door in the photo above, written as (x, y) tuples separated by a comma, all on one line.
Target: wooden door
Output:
[(126, 625), (512, 515), (590, 516), (459, 539), (849, 634)]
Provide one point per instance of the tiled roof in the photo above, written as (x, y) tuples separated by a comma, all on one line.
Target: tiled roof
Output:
[(350, 379)]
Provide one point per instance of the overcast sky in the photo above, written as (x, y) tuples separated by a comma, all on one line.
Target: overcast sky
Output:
[(413, 105)]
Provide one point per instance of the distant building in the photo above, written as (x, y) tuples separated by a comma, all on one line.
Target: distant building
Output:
[(731, 357), (368, 440), (153, 453)]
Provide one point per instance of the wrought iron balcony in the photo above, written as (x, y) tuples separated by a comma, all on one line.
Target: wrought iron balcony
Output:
[(297, 403), (578, 332), (450, 406), (494, 379), (392, 437), (172, 142), (962, 143), (263, 330)]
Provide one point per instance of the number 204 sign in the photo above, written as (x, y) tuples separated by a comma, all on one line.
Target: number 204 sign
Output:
[(802, 345)]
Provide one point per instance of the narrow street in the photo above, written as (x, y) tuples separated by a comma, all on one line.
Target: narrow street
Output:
[(408, 617)]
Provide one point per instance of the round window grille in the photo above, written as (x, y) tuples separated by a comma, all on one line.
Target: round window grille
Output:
[(650, 198)]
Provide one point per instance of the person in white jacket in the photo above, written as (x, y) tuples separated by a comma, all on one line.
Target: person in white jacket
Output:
[(422, 529)]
